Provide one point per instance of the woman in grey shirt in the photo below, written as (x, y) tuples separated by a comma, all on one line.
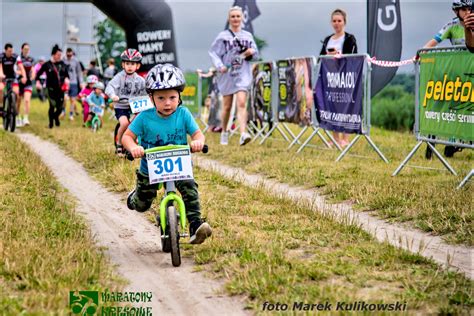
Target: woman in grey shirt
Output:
[(231, 53)]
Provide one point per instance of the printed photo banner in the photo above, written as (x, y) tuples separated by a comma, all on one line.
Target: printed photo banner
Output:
[(446, 95), (213, 102), (260, 106), (295, 94), (339, 92), (189, 95)]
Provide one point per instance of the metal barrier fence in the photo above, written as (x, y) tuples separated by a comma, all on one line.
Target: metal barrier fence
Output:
[(443, 64)]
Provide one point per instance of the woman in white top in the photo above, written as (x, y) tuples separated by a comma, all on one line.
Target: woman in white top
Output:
[(340, 42), (231, 53)]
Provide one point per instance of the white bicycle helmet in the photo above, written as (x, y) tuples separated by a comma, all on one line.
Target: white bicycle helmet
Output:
[(131, 54), (99, 85), (164, 77), (458, 4), (92, 79)]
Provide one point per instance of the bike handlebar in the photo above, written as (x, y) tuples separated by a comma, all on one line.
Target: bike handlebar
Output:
[(129, 156)]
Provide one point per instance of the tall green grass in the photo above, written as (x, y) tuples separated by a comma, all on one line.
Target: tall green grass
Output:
[(46, 250), (269, 249)]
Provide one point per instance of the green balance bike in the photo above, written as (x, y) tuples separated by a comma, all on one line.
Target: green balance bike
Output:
[(163, 163)]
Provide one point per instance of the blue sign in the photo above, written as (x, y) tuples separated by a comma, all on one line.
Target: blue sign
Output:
[(338, 94)]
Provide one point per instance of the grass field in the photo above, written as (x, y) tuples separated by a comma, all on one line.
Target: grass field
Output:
[(271, 250), (425, 199), (45, 248)]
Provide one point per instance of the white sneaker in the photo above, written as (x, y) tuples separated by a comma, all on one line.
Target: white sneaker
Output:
[(19, 122), (71, 118), (245, 138), (26, 121), (225, 138)]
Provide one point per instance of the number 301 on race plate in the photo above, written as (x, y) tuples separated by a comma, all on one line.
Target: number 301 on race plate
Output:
[(169, 165), (140, 104)]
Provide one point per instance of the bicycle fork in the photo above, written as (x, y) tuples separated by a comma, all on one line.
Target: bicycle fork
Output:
[(170, 198)]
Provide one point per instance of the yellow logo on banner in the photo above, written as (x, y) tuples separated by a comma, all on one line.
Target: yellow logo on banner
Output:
[(189, 91), (449, 90)]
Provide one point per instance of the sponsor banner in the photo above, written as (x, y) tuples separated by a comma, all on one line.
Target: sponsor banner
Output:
[(295, 94), (384, 30), (213, 102), (339, 92), (148, 28), (260, 106), (446, 95), (190, 96)]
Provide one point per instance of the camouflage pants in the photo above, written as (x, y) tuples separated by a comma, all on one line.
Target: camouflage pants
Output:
[(145, 193)]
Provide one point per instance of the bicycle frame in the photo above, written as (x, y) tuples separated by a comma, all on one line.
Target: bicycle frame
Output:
[(170, 192)]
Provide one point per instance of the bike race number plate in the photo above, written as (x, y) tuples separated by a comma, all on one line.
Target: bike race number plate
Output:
[(141, 103), (169, 165)]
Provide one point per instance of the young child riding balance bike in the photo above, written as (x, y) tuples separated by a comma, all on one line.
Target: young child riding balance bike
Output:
[(167, 123)]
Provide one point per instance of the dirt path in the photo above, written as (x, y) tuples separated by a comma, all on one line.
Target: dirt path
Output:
[(133, 243), (459, 258)]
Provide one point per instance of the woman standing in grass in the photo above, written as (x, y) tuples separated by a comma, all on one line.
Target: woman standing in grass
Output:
[(340, 42), (230, 53)]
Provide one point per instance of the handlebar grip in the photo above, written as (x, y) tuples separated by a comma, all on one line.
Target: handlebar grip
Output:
[(205, 149), (129, 156)]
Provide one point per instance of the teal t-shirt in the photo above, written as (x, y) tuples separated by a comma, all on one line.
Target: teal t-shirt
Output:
[(155, 130)]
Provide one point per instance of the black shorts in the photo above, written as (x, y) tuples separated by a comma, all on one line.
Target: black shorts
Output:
[(28, 86), (123, 112)]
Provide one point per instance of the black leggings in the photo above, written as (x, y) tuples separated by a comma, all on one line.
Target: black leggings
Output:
[(56, 100)]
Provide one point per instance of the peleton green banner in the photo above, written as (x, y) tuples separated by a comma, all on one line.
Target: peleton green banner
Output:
[(446, 95)]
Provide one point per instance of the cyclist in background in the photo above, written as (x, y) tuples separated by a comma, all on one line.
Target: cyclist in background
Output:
[(124, 85), (454, 31), (27, 88), (7, 71)]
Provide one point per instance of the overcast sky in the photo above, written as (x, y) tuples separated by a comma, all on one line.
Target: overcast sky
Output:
[(291, 28)]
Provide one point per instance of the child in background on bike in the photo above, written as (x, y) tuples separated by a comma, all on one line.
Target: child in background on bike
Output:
[(124, 85), (166, 124), (96, 103), (85, 92)]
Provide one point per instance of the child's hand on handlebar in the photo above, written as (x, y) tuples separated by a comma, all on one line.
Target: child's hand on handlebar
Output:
[(115, 98), (196, 146), (137, 152)]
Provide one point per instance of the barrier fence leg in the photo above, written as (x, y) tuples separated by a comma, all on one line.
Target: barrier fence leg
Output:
[(324, 139), (316, 130), (260, 132), (269, 133), (205, 124), (377, 150), (289, 131), (344, 152), (333, 141), (298, 137), (464, 181), (407, 158), (282, 132), (443, 161)]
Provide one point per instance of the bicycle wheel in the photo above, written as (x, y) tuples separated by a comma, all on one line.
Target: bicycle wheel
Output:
[(116, 134), (12, 112), (6, 113), (95, 124), (174, 236)]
